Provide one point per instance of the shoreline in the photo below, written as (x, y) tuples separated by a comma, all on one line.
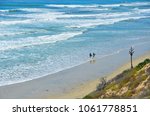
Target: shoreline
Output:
[(91, 86), (57, 85)]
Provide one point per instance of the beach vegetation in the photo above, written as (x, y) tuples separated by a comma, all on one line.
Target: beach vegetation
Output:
[(131, 83), (142, 64)]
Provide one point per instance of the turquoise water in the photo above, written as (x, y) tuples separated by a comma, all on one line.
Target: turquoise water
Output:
[(44, 38)]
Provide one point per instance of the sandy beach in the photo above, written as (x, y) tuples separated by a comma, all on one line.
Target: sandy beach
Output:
[(88, 87), (66, 83)]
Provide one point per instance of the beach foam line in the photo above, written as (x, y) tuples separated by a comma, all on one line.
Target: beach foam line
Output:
[(32, 41)]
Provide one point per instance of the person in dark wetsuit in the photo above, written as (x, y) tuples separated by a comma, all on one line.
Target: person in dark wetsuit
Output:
[(94, 55), (90, 55)]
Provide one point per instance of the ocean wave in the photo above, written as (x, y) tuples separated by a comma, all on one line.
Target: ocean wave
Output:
[(45, 16), (32, 18), (81, 7), (48, 15), (85, 7), (100, 6), (23, 10), (127, 4), (72, 6), (32, 41), (94, 9), (34, 9), (58, 17), (141, 10), (12, 10), (100, 16), (92, 24), (14, 22), (6, 34)]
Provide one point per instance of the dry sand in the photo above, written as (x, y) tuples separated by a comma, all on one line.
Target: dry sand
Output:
[(50, 86)]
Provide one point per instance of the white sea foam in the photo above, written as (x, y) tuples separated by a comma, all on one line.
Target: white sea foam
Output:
[(31, 41), (142, 10), (91, 24), (94, 9), (4, 10), (24, 9), (95, 5), (14, 22), (100, 16), (99, 6), (80, 7), (127, 4), (58, 17), (55, 16), (47, 15), (136, 4), (33, 9), (7, 33), (72, 6)]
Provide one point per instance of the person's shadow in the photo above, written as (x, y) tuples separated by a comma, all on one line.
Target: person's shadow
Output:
[(92, 61)]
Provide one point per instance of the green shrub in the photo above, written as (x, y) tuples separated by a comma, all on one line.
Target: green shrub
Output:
[(109, 86), (128, 94), (142, 64)]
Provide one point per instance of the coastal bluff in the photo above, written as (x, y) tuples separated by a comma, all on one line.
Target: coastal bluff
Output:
[(130, 84)]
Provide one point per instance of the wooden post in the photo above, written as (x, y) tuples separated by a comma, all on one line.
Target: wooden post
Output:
[(131, 52)]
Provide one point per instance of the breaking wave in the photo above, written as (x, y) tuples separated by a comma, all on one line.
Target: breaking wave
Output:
[(32, 41)]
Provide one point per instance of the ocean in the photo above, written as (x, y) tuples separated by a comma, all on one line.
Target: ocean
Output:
[(41, 38)]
